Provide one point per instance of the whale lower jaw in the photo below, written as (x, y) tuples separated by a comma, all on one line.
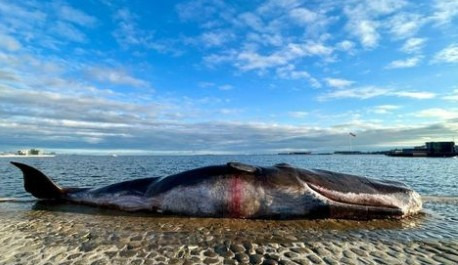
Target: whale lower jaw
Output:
[(369, 206)]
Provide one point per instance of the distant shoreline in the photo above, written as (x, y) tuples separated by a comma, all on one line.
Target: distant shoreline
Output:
[(26, 156)]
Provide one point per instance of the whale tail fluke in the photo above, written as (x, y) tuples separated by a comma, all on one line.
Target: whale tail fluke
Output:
[(38, 184)]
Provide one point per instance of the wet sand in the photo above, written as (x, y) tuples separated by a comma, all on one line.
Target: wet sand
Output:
[(33, 233)]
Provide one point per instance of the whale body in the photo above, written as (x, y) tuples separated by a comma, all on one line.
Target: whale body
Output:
[(237, 190)]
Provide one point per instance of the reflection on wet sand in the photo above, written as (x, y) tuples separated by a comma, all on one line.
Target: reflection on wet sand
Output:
[(74, 234), (191, 223)]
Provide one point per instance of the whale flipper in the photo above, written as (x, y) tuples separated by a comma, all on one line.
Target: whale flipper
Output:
[(38, 184)]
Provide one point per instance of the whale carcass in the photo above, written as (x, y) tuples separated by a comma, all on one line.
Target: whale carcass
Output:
[(237, 190)]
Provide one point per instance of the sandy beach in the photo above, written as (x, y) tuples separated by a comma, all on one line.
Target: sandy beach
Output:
[(72, 234)]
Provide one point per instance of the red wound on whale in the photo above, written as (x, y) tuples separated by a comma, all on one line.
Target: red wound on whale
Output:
[(235, 201)]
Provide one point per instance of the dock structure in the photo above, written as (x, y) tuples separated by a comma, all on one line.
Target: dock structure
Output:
[(430, 149)]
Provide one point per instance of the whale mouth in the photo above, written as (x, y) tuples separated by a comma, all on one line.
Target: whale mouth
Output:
[(365, 205)]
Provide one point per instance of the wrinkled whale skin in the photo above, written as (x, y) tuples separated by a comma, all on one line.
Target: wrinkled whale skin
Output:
[(237, 190)]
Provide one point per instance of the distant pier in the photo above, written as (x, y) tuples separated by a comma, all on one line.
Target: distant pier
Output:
[(430, 149)]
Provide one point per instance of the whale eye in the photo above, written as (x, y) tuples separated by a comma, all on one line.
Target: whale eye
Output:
[(243, 167)]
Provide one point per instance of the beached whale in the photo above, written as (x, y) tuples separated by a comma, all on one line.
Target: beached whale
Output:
[(237, 190)]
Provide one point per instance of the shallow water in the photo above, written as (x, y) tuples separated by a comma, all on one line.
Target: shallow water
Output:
[(43, 233)]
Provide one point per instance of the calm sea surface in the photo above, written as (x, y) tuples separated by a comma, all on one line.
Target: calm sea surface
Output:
[(429, 176)]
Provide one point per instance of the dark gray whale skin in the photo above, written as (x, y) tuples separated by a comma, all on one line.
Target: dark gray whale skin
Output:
[(237, 190)]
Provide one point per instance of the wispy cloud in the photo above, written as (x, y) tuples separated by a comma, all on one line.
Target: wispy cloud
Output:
[(366, 30), (448, 55), (338, 83), (116, 76), (414, 94), (363, 19), (384, 109), (69, 31), (453, 96), (404, 25), (438, 113), (226, 87), (413, 45), (368, 92), (9, 43), (406, 63), (358, 93), (216, 38), (76, 16), (289, 72), (345, 45), (298, 114), (130, 35), (445, 11)]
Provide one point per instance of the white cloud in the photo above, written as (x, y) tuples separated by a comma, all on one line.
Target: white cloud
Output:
[(338, 83), (364, 18), (9, 43), (205, 84), (345, 45), (216, 38), (303, 16), (68, 31), (414, 94), (225, 87), (251, 20), (317, 48), (210, 12), (227, 111), (289, 72), (127, 32), (129, 35), (117, 77), (16, 13), (445, 11), (366, 31), (452, 97), (384, 109), (413, 45), (448, 55), (359, 93), (404, 25), (368, 92), (298, 114), (248, 60), (76, 16), (384, 7), (439, 113), (406, 63)]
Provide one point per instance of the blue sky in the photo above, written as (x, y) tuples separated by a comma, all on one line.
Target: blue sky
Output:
[(187, 77)]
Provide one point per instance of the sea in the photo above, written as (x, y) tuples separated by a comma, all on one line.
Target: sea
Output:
[(34, 232), (428, 176)]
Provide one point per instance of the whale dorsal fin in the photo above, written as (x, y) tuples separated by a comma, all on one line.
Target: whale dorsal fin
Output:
[(283, 165), (243, 167), (38, 184)]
